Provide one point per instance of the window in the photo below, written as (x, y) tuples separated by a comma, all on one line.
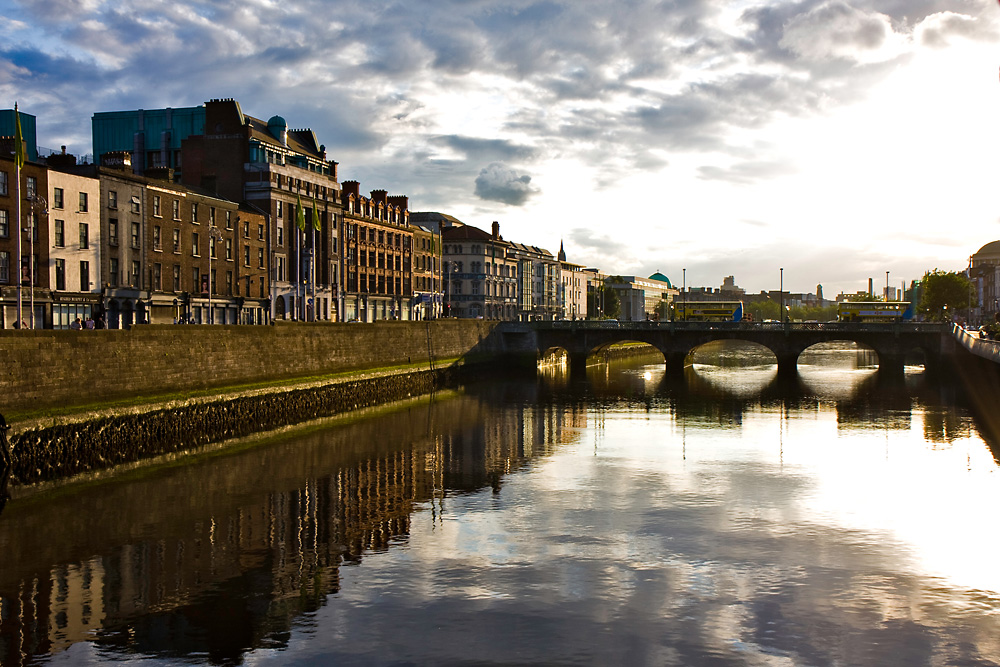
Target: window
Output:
[(136, 273), (57, 198), (260, 232), (211, 247), (246, 255), (229, 249), (31, 186), (194, 212), (194, 244), (278, 214), (60, 274), (83, 202), (84, 276), (177, 240), (157, 277), (260, 258), (60, 241), (229, 283), (4, 265), (135, 234), (211, 215), (112, 199), (4, 223), (196, 280), (156, 206), (113, 277), (136, 204), (215, 289), (113, 231), (177, 278), (177, 209), (3, 185), (246, 230), (156, 238), (281, 235), (229, 219), (280, 268)]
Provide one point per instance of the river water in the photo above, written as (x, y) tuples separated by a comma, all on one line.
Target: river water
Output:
[(726, 517)]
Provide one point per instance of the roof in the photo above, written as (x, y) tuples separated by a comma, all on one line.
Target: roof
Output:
[(662, 278), (990, 251), (465, 233)]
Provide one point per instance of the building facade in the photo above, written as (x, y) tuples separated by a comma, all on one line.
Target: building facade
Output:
[(74, 262), (378, 256)]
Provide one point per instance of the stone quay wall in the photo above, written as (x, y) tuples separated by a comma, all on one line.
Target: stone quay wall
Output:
[(61, 451), (41, 369)]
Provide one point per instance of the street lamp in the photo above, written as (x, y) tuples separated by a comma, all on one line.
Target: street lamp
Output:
[(38, 207), (781, 293), (214, 236)]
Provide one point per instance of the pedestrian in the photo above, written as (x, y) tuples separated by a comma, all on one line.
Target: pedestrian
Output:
[(77, 324), (89, 324), (100, 323)]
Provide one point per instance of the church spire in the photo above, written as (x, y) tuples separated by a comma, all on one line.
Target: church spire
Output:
[(562, 252)]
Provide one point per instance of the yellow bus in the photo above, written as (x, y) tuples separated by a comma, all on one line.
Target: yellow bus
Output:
[(874, 311), (708, 311)]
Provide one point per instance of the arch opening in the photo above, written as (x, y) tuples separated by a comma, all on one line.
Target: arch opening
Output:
[(731, 367), (838, 355), (731, 354)]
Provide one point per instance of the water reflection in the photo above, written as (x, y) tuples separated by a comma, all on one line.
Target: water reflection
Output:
[(636, 517)]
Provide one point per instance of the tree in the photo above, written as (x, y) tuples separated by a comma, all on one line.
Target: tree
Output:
[(945, 293), (603, 303)]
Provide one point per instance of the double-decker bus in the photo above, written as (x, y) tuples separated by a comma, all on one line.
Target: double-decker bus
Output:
[(708, 311), (875, 311)]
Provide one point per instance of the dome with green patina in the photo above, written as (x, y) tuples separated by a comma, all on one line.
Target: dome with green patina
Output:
[(662, 278)]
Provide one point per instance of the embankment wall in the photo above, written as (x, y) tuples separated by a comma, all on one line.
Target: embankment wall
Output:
[(39, 369)]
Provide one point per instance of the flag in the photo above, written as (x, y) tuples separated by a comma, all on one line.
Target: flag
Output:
[(300, 215), (18, 140), (315, 218)]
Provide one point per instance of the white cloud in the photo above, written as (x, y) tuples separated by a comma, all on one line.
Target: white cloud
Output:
[(498, 182), (838, 30)]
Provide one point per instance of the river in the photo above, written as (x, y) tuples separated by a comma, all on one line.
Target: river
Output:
[(726, 517)]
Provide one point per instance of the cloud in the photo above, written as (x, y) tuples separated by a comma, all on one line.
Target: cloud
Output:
[(938, 30), (745, 173), (838, 30), (498, 182)]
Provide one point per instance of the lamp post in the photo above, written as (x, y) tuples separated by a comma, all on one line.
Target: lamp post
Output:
[(214, 236), (887, 287), (684, 298), (38, 207), (781, 293)]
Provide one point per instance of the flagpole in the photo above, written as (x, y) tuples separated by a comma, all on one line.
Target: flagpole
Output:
[(18, 158)]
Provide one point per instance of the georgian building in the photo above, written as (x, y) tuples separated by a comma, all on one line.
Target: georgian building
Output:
[(572, 297), (33, 261), (74, 263), (427, 301), (480, 273), (378, 256)]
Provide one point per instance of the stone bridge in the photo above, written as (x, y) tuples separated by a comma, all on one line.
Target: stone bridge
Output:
[(893, 343)]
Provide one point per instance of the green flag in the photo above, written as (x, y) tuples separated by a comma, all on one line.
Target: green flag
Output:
[(315, 218), (300, 215), (18, 139)]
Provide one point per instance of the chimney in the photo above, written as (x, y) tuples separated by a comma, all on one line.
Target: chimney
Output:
[(379, 195), (870, 288), (496, 230)]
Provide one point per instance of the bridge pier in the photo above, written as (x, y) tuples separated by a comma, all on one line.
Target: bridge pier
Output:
[(788, 365), (891, 365), (578, 366), (675, 363)]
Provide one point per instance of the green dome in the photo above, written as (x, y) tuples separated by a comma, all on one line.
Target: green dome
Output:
[(662, 278)]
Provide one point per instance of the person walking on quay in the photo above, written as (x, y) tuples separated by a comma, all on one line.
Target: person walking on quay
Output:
[(76, 325), (89, 324)]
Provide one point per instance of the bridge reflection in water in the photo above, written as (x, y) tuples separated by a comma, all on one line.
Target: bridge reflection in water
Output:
[(214, 560)]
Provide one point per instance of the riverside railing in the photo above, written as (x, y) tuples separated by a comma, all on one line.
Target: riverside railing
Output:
[(846, 327), (981, 347)]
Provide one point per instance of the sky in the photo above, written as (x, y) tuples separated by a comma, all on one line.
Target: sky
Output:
[(783, 142)]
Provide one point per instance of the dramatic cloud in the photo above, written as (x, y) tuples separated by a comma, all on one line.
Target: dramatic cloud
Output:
[(416, 97), (498, 182)]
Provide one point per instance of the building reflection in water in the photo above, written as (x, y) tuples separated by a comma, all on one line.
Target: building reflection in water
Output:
[(222, 556), (227, 554)]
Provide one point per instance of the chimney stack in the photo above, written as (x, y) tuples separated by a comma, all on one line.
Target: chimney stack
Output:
[(496, 230)]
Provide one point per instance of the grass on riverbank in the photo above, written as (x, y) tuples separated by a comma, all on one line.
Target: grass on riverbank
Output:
[(23, 419)]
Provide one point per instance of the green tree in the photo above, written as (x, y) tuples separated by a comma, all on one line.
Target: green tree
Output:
[(662, 310), (945, 293), (603, 303)]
